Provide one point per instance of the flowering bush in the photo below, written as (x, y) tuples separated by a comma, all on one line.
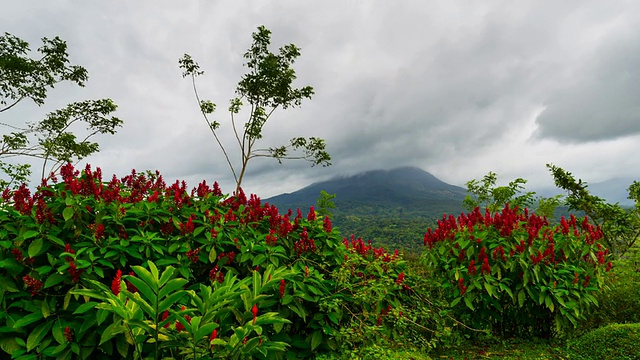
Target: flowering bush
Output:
[(514, 273), (130, 267)]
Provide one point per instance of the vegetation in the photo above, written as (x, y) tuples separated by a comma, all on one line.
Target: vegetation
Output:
[(56, 138), (266, 87)]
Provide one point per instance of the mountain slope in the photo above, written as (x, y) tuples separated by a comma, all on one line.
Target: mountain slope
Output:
[(408, 188)]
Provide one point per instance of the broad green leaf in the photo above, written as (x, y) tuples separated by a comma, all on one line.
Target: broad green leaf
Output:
[(213, 255), (149, 281), (29, 234), (46, 311), (171, 286), (85, 307), (467, 302), (35, 247), (36, 336), (9, 345), (57, 332), (111, 331), (455, 301), (67, 213), (143, 288), (7, 284), (168, 302), (316, 339), (521, 296), (54, 279), (549, 303), (26, 320)]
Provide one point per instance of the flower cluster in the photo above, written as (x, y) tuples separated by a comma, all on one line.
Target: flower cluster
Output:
[(33, 285)]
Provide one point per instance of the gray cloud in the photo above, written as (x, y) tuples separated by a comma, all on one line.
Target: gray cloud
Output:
[(456, 88)]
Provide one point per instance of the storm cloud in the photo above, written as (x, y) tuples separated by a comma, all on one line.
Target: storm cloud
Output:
[(456, 88)]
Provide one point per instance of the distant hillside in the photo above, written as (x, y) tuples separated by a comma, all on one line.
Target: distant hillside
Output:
[(391, 207), (407, 188)]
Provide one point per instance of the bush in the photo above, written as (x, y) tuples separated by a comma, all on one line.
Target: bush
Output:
[(615, 341), (134, 267), (620, 301), (513, 273)]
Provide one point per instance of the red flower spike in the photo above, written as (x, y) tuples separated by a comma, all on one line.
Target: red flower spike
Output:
[(115, 284), (400, 279), (254, 311), (282, 288), (68, 334)]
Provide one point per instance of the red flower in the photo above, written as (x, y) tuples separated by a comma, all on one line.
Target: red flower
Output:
[(312, 214), (68, 334), (74, 272), (165, 316), (486, 269), (214, 335), (254, 311), (193, 255), (282, 287), (400, 279), (115, 284), (471, 270), (327, 224), (17, 254), (609, 266), (33, 285)]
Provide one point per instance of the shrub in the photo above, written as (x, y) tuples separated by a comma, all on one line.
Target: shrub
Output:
[(620, 301), (128, 268), (615, 341), (513, 273)]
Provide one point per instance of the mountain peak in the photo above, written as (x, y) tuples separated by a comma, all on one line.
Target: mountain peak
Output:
[(404, 187)]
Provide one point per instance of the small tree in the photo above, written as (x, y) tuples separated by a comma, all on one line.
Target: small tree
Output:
[(621, 227), (266, 87), (22, 77)]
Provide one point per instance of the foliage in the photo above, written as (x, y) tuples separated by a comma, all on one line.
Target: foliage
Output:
[(266, 87), (513, 273), (53, 138), (620, 302), (621, 227), (615, 341), (137, 268), (486, 195)]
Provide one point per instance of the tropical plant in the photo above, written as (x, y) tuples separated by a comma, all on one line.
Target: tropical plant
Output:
[(513, 273)]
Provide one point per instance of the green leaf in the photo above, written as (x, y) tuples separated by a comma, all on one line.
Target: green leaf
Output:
[(213, 254), (9, 345), (316, 340), (171, 287), (53, 279), (35, 247), (455, 301), (85, 307), (57, 332), (29, 234), (38, 334), (521, 298), (467, 302), (46, 311), (24, 321), (67, 213), (549, 302), (7, 284)]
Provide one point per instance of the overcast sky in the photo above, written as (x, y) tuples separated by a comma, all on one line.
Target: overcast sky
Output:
[(457, 88)]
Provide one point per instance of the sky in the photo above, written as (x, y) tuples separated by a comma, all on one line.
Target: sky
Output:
[(457, 88)]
